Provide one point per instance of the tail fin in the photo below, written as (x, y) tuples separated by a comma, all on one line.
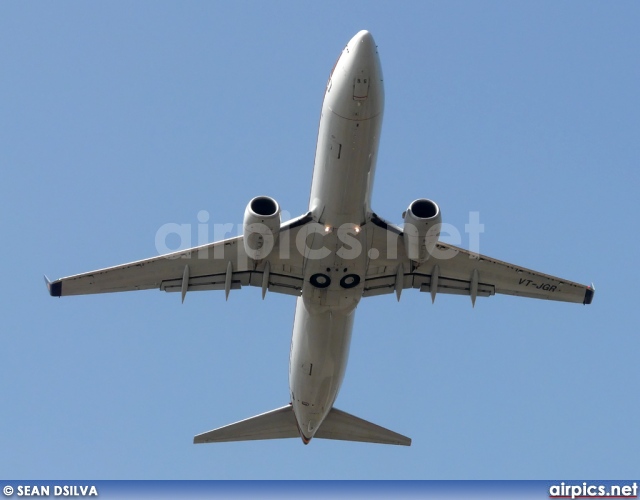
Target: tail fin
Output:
[(275, 424), (281, 423), (342, 425)]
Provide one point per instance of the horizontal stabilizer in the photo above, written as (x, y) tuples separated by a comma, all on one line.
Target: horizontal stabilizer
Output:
[(275, 424), (281, 423), (342, 425)]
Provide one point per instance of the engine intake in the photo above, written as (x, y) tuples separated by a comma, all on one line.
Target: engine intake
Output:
[(261, 226), (422, 221)]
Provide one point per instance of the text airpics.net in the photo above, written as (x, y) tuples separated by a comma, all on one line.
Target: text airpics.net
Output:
[(174, 237), (586, 490)]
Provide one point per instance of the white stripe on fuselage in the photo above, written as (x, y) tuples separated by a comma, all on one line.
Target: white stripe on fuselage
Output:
[(340, 201)]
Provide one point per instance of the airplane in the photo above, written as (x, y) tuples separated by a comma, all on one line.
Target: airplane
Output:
[(331, 257)]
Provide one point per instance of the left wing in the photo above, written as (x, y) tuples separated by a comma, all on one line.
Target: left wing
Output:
[(457, 271), (223, 265)]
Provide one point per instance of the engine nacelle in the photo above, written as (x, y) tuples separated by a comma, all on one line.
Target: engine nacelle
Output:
[(261, 226), (422, 222)]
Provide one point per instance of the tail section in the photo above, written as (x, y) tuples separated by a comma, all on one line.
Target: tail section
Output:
[(281, 423), (342, 425), (275, 424)]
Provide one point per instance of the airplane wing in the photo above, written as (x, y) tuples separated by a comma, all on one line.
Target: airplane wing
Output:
[(457, 271), (223, 265)]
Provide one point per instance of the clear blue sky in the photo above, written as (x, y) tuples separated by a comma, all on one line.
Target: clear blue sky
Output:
[(119, 117)]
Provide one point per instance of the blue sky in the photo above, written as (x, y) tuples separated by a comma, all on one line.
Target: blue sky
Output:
[(117, 118)]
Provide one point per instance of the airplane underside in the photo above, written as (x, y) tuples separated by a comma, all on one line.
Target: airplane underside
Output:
[(330, 258)]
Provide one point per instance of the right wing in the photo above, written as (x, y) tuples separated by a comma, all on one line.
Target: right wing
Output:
[(453, 270), (223, 265)]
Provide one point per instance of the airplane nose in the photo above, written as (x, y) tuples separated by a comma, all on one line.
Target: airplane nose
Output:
[(363, 45), (355, 89), (361, 36)]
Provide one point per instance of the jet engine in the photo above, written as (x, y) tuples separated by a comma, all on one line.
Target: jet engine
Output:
[(422, 221), (261, 226)]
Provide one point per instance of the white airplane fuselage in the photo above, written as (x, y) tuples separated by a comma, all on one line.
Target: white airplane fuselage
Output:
[(336, 259)]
